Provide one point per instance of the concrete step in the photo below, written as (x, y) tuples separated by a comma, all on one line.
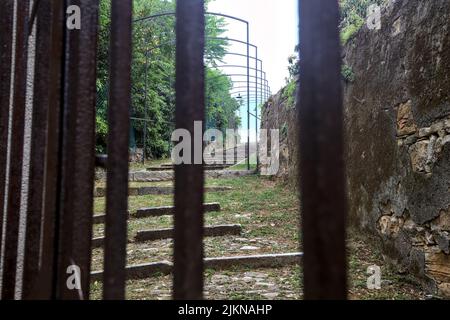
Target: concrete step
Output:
[(147, 270), (156, 212), (159, 234), (100, 192), (169, 210), (209, 231)]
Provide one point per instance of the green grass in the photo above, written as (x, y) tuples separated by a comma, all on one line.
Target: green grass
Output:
[(137, 166), (243, 164), (269, 214)]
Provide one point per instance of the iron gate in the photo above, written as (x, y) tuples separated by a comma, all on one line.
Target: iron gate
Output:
[(58, 221)]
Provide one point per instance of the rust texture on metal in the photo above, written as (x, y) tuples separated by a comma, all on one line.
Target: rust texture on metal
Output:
[(189, 179), (37, 151), (6, 31), (78, 153), (321, 175), (45, 284), (117, 166), (16, 151)]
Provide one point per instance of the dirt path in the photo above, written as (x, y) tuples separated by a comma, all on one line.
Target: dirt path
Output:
[(268, 213)]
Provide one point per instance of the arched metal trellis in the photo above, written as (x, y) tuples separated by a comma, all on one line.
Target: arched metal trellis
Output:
[(263, 89)]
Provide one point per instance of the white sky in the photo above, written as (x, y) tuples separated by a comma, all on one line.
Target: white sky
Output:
[(273, 29)]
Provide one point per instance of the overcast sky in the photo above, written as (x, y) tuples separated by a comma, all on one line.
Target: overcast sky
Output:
[(273, 29)]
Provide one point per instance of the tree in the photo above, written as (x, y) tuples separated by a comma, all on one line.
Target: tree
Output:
[(153, 76), (353, 16)]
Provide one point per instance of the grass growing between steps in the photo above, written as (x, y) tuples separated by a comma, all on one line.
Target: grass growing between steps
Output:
[(243, 164), (269, 215)]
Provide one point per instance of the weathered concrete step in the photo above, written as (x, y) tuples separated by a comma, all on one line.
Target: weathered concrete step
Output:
[(209, 231), (159, 176), (169, 210), (100, 192), (206, 167), (156, 212), (159, 234), (147, 270), (100, 218)]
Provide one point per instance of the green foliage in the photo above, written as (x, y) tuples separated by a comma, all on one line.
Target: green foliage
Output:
[(347, 73), (153, 77), (289, 93), (353, 16), (294, 65), (220, 106), (284, 131), (291, 83), (348, 31)]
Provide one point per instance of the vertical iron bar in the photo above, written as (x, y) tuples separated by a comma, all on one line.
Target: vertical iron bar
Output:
[(266, 88), (45, 284), (321, 174), (189, 178), (118, 150), (37, 152), (256, 110), (263, 92), (6, 31), (145, 108), (16, 151), (248, 97), (78, 153)]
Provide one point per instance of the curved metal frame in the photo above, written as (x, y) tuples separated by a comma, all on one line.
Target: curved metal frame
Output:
[(248, 45)]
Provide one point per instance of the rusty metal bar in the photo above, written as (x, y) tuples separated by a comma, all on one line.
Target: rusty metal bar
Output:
[(189, 178), (45, 282), (117, 176), (256, 110), (248, 101), (16, 151), (6, 22), (321, 174), (78, 154), (37, 152)]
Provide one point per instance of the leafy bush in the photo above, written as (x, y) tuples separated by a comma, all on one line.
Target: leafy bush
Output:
[(347, 73), (354, 15)]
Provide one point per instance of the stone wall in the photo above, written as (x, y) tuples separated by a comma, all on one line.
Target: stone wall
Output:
[(397, 118), (280, 113), (398, 137)]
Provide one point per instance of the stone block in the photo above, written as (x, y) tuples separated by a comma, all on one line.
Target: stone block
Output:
[(437, 265), (442, 222), (405, 121), (444, 289), (419, 156)]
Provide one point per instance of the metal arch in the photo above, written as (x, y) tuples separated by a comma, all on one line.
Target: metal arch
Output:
[(247, 43), (237, 66), (252, 93), (172, 13), (173, 41)]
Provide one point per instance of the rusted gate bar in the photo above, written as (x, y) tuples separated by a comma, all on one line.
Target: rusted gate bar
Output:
[(248, 95), (44, 287), (117, 166), (256, 107), (37, 152), (78, 158), (189, 179), (15, 169), (6, 23), (322, 178)]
